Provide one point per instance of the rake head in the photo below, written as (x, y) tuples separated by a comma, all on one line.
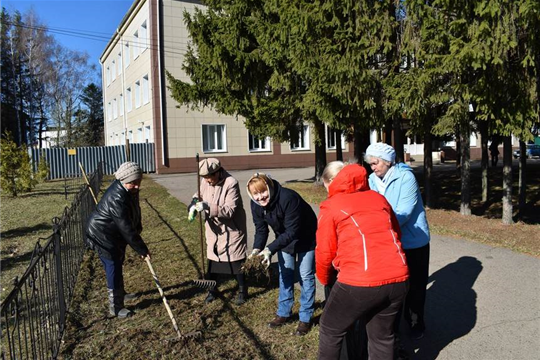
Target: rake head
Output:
[(194, 335), (205, 284)]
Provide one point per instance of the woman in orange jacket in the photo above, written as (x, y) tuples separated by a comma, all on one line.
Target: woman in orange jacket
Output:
[(358, 237)]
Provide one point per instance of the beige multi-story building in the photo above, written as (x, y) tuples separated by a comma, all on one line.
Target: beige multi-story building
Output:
[(152, 38)]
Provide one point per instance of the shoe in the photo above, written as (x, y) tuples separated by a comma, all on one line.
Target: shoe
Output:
[(242, 295), (303, 328), (212, 294), (278, 321)]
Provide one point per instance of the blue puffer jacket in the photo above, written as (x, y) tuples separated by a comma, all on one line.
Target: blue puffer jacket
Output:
[(292, 219), (403, 193)]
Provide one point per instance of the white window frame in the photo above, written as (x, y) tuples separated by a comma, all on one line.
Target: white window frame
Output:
[(256, 144), (331, 139), (130, 136), (143, 36), (129, 99), (145, 90), (115, 108), (127, 55), (137, 94), (109, 111), (121, 104), (119, 63), (210, 131), (113, 70), (147, 133), (140, 135), (303, 139), (108, 75), (136, 45)]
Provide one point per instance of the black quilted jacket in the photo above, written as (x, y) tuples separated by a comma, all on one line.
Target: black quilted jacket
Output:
[(115, 223)]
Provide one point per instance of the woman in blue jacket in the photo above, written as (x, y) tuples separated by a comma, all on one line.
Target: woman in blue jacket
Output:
[(398, 185), (294, 224)]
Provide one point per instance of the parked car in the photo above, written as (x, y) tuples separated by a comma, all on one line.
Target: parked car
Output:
[(531, 151)]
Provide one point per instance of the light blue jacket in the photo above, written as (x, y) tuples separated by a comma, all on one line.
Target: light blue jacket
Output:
[(403, 193)]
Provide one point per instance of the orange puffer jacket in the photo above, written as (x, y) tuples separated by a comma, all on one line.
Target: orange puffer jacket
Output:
[(358, 234)]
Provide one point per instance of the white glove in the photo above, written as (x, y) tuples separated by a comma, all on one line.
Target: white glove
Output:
[(253, 253), (266, 254), (201, 206)]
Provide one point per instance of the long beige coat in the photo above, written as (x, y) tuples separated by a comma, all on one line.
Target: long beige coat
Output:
[(226, 237)]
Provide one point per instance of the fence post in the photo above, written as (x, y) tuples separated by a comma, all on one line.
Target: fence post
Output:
[(128, 151), (59, 274)]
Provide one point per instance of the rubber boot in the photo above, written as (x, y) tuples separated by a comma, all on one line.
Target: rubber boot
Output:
[(116, 304), (242, 295), (212, 295)]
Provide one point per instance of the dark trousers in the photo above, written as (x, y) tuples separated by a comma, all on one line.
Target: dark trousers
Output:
[(413, 310), (114, 272), (378, 305), (354, 345)]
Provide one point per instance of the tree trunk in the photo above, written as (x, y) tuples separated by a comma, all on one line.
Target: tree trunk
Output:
[(320, 149), (465, 139), (398, 140), (507, 182), (339, 150), (522, 176), (483, 127), (458, 150), (428, 167)]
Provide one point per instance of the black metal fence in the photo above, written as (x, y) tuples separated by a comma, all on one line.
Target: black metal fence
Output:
[(33, 314)]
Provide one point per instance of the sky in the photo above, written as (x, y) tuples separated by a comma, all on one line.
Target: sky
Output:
[(83, 25)]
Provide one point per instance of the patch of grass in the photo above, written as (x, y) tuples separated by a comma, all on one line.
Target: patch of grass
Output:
[(25, 219), (228, 331)]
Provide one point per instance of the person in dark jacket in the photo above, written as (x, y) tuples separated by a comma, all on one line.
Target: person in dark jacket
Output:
[(294, 224), (115, 223)]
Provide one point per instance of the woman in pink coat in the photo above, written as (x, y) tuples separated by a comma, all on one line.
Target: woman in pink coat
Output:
[(225, 220)]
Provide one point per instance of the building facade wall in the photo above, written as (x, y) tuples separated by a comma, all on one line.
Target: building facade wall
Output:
[(178, 132)]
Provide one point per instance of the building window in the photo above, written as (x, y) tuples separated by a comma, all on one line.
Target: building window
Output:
[(214, 138), (119, 63), (140, 135), (147, 133), (109, 111), (331, 139), (108, 75), (137, 94), (121, 105), (129, 99), (115, 109), (258, 144), (143, 36), (303, 139), (113, 70), (130, 136), (127, 55), (145, 93), (136, 45)]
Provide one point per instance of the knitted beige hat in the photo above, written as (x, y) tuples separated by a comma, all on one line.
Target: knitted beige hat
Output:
[(128, 172), (209, 166)]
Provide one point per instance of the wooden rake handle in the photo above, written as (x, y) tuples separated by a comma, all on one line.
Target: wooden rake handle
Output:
[(88, 183), (163, 297)]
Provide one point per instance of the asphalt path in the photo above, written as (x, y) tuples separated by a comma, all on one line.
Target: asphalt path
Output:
[(482, 302)]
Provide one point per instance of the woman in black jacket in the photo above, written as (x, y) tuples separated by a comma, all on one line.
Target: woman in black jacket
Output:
[(294, 224), (115, 223)]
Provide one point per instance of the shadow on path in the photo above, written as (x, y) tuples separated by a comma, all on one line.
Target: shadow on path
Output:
[(450, 308)]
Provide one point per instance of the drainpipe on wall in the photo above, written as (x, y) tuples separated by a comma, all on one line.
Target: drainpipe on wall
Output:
[(161, 95)]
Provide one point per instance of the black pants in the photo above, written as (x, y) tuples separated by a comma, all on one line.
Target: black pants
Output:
[(354, 345), (413, 310), (378, 305)]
